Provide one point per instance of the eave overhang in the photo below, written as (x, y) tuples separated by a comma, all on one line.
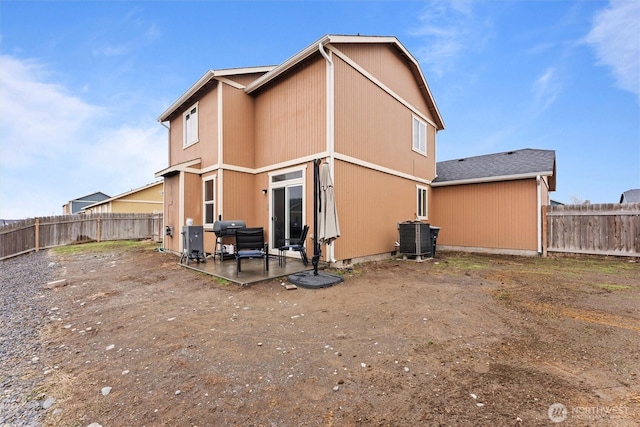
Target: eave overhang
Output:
[(180, 167)]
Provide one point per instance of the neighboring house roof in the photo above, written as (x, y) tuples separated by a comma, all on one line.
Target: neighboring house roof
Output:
[(123, 195), (271, 73), (509, 165), (93, 197), (630, 196)]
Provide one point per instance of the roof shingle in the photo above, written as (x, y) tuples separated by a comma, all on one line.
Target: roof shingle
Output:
[(523, 163)]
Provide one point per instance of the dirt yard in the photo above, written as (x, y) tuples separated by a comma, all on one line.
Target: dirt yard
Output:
[(462, 339)]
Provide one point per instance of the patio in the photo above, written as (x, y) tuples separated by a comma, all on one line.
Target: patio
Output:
[(252, 269)]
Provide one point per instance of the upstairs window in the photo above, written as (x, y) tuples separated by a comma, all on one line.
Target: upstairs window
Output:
[(419, 136), (190, 126), (422, 205), (209, 200)]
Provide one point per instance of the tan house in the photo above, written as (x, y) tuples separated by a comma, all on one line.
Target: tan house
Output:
[(147, 199), (493, 203), (242, 144)]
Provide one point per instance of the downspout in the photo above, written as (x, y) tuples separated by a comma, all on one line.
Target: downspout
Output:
[(164, 190), (539, 213), (219, 196), (330, 128)]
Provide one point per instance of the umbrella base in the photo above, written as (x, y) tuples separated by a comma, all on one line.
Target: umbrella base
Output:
[(306, 279)]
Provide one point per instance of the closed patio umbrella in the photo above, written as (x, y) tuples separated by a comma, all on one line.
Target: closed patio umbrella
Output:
[(328, 227)]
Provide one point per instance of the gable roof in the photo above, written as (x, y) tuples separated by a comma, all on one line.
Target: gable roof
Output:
[(220, 75), (93, 197), (272, 72), (630, 196), (333, 38), (508, 165)]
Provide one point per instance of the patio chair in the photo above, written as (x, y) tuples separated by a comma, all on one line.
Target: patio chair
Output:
[(250, 244), (296, 245)]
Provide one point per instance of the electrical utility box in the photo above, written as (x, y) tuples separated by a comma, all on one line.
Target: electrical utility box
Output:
[(193, 243)]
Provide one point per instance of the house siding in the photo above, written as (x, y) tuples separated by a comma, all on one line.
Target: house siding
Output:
[(370, 204), (290, 115), (244, 79), (495, 215), (238, 128), (193, 199), (387, 64), (241, 197), (206, 148), (373, 126)]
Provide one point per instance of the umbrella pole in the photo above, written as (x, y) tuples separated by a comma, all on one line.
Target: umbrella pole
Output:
[(316, 189)]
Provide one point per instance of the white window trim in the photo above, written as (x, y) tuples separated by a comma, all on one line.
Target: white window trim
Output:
[(419, 189), (185, 142), (419, 138), (205, 202)]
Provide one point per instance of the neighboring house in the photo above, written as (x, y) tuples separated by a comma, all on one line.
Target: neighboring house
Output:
[(147, 199), (630, 196), (242, 144), (76, 205), (494, 202)]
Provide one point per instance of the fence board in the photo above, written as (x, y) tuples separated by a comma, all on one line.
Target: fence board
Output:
[(601, 229), (51, 231)]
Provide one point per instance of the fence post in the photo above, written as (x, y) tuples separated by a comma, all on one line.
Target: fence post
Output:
[(545, 236), (98, 230), (36, 229)]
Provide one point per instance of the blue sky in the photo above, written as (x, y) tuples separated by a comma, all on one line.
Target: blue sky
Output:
[(83, 82)]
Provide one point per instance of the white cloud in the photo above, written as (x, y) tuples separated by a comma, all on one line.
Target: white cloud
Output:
[(546, 88), (37, 119), (449, 28), (127, 157), (55, 146), (616, 40)]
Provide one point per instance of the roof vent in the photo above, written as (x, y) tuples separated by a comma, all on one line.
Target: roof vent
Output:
[(510, 152), (461, 160)]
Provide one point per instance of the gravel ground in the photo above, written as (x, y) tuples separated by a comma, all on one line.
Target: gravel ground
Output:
[(22, 314)]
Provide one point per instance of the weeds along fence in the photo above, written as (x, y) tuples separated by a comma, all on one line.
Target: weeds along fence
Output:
[(34, 234), (598, 229)]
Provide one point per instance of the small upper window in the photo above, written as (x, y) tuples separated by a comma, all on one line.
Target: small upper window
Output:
[(419, 136), (190, 125)]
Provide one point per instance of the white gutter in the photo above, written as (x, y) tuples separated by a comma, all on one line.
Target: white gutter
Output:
[(492, 179), (539, 212), (330, 127)]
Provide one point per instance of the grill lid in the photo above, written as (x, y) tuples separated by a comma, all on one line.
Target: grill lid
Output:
[(228, 228)]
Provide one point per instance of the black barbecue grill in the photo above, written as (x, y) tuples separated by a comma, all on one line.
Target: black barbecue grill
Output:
[(224, 229)]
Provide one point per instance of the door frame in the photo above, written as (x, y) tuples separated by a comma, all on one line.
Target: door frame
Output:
[(301, 181)]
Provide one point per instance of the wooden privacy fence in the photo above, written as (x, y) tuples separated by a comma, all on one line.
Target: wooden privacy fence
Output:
[(34, 234), (599, 229)]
